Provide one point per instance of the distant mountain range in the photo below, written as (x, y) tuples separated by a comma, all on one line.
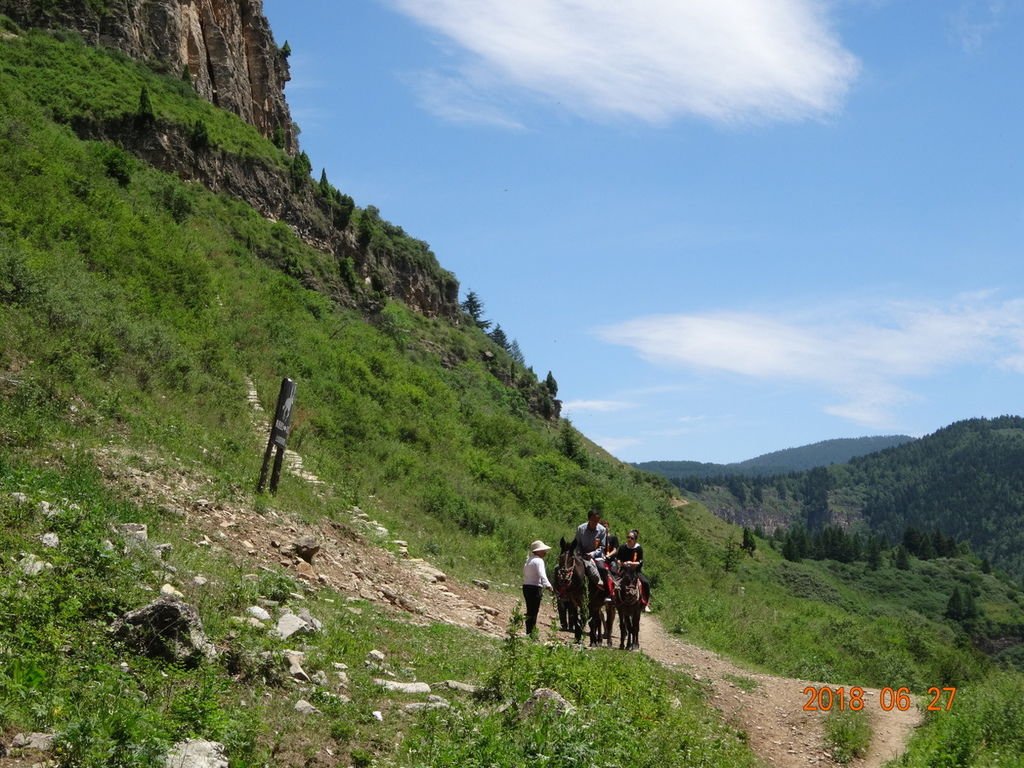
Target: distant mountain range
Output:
[(782, 462)]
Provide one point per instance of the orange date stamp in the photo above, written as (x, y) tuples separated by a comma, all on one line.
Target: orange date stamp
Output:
[(826, 699)]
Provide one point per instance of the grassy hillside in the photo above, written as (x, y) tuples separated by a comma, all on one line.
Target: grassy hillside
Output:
[(134, 309)]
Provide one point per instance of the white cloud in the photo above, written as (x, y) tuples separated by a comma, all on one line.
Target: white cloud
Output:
[(866, 356), (651, 60)]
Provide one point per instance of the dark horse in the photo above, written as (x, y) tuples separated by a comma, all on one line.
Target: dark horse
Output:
[(629, 606), (573, 587)]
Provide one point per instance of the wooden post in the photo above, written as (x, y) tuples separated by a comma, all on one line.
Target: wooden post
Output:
[(279, 429)]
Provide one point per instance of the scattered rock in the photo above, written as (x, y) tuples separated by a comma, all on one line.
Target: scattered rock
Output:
[(295, 670), (418, 706), (169, 590), (546, 700), (32, 566), (427, 572), (375, 658), (196, 753), (168, 629), (304, 707), (257, 612), (305, 571), (40, 742), (482, 584), (378, 715), (50, 540), (290, 624), (455, 685), (306, 547), (133, 532), (398, 687), (200, 581), (19, 498)]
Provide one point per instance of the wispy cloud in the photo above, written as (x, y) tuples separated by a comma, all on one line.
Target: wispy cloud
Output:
[(974, 22), (650, 60), (460, 99), (866, 355)]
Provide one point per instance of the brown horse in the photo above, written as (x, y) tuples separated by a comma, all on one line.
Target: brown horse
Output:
[(569, 586), (629, 606), (572, 587)]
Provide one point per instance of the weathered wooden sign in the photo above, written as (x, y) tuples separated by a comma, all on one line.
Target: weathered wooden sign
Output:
[(279, 429)]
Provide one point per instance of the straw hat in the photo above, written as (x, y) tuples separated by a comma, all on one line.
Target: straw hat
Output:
[(539, 546)]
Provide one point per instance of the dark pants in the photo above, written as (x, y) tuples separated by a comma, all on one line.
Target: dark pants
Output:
[(532, 596)]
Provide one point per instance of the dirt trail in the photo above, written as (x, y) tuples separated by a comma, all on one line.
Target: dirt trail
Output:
[(772, 712)]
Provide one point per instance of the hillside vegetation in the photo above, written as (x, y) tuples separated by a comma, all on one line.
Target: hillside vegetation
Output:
[(965, 482), (135, 309)]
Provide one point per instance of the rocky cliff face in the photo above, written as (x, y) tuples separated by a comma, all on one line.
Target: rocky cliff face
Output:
[(226, 45)]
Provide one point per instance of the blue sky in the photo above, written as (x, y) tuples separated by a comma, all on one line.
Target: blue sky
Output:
[(726, 226)]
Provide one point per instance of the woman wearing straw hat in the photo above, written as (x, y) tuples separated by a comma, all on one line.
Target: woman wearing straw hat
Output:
[(535, 581)]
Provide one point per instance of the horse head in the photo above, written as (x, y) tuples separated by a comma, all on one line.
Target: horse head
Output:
[(566, 570), (627, 587)]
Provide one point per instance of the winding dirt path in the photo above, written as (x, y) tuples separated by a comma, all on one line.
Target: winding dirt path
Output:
[(771, 709)]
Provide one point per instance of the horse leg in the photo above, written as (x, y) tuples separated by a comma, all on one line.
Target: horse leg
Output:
[(595, 622), (576, 622)]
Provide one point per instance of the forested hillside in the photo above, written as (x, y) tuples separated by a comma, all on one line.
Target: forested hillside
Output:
[(964, 482), (138, 311)]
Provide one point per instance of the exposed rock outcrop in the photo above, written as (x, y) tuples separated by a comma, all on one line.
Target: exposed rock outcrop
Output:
[(226, 45), (271, 191)]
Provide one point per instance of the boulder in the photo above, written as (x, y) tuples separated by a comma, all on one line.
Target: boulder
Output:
[(166, 629), (546, 700), (196, 753)]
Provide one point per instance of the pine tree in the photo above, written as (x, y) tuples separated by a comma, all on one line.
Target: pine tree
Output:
[(516, 353), (145, 114), (749, 544), (499, 337), (902, 560), (473, 307), (551, 384)]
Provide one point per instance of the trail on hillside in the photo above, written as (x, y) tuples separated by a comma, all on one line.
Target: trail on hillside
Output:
[(772, 712), (769, 709)]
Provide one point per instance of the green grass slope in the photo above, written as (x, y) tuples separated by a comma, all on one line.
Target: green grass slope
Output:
[(134, 308)]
